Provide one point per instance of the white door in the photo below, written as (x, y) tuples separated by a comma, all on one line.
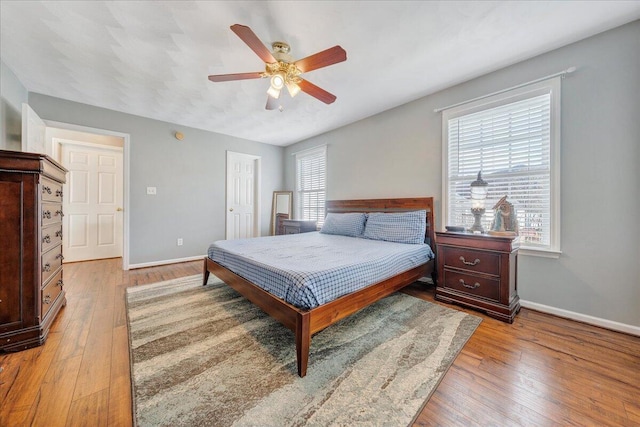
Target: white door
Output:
[(33, 132), (243, 188), (92, 202)]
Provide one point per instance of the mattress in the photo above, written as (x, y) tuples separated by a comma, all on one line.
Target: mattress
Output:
[(311, 269)]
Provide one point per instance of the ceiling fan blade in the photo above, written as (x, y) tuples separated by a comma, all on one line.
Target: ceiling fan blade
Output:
[(237, 76), (249, 37), (325, 58), (272, 103), (317, 92)]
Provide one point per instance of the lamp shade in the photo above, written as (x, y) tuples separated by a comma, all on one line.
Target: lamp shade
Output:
[(479, 192)]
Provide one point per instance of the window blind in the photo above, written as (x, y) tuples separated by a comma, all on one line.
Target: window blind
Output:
[(311, 172), (511, 145)]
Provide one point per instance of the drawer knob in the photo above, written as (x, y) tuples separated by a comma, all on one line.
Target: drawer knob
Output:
[(46, 239), (46, 267), (47, 299), (475, 285), (46, 214), (475, 262), (46, 190), (58, 193)]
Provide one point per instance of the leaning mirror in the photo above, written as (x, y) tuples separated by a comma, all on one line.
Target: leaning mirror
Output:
[(282, 209)]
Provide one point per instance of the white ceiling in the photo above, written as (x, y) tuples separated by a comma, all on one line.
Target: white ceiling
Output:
[(152, 58)]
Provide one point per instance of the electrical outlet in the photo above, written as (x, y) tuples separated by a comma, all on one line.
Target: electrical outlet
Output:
[(180, 242), (151, 191)]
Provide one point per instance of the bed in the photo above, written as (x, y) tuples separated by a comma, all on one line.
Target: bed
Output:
[(308, 316)]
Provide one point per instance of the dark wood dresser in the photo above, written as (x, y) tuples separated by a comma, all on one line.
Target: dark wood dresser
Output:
[(479, 271), (295, 226), (31, 286)]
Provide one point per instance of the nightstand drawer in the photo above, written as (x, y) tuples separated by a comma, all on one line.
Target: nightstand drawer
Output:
[(474, 285), (472, 260)]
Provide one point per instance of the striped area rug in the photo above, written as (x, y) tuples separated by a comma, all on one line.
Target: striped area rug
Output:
[(204, 356)]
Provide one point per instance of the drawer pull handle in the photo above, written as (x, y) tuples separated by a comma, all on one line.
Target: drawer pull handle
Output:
[(46, 267), (47, 299), (476, 262), (59, 256), (46, 214), (46, 239), (59, 212), (58, 193), (59, 233), (46, 190), (475, 285), (60, 283)]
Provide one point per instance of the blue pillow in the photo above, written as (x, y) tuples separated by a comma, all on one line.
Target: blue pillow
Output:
[(401, 227), (344, 224)]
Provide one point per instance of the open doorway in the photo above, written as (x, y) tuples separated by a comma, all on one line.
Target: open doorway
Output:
[(95, 225)]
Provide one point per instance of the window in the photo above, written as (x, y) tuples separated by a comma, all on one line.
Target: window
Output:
[(513, 138), (311, 173)]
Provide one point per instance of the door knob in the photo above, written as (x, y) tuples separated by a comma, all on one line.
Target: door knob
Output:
[(230, 209), (119, 210)]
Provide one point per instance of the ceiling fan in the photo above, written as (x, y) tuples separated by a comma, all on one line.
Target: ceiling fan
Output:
[(282, 69)]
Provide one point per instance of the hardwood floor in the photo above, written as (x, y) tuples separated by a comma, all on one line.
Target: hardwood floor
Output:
[(541, 370)]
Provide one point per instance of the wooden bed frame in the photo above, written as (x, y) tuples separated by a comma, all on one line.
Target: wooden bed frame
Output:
[(305, 323)]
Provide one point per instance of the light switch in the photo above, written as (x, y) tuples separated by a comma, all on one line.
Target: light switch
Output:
[(151, 191)]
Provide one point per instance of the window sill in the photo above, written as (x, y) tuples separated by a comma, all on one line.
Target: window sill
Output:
[(542, 253)]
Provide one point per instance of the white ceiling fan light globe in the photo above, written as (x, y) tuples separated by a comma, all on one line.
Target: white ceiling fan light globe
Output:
[(293, 89), (273, 92), (277, 81)]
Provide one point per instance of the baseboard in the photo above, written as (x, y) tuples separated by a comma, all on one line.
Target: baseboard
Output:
[(165, 262), (596, 321)]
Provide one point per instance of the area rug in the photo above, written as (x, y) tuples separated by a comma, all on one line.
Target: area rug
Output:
[(205, 356)]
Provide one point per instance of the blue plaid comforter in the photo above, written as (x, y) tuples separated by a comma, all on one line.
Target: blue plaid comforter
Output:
[(311, 269)]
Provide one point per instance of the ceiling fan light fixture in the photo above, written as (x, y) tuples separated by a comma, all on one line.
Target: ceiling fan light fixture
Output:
[(277, 81), (293, 89), (273, 92)]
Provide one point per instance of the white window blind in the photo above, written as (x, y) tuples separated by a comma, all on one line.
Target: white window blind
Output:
[(311, 177), (512, 143)]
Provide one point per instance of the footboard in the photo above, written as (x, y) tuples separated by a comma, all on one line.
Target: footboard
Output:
[(305, 323)]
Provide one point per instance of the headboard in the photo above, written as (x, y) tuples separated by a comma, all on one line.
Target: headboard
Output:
[(389, 205)]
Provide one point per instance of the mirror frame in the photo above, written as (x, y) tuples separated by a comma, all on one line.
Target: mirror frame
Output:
[(274, 205)]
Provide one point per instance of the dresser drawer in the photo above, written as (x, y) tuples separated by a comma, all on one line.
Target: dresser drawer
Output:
[(51, 236), (473, 285), (51, 262), (50, 292), (51, 191), (51, 213), (472, 260)]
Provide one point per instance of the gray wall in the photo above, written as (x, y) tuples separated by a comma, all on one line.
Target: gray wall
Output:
[(12, 95), (189, 176), (398, 153)]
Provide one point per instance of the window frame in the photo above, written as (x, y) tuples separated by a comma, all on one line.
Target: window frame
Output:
[(311, 152), (552, 87)]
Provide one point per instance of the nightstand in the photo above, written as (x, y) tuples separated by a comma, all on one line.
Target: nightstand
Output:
[(295, 226), (479, 271)]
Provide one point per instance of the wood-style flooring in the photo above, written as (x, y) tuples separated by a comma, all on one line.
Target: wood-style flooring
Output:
[(540, 371)]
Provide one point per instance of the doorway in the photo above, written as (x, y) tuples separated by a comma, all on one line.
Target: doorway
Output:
[(57, 135), (243, 196)]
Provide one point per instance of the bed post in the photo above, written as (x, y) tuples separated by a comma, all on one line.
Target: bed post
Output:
[(303, 342), (205, 272)]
